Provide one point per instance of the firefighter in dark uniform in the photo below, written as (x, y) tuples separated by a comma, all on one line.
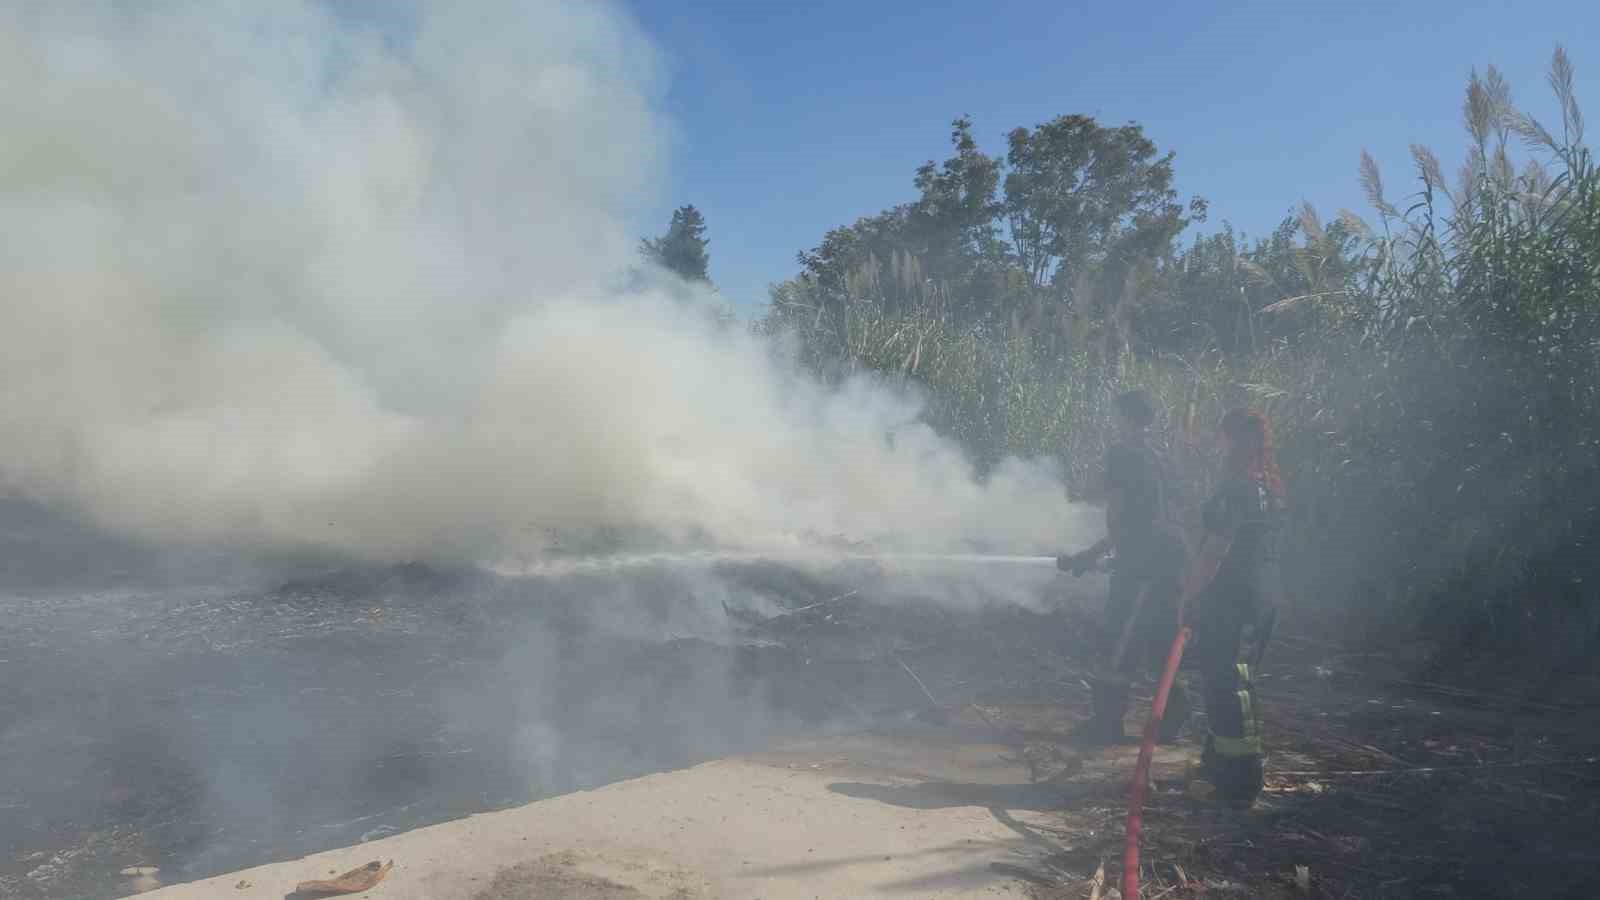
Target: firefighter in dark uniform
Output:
[(1234, 586), (1143, 530)]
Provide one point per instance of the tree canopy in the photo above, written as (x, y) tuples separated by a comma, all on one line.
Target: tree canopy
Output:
[(683, 248)]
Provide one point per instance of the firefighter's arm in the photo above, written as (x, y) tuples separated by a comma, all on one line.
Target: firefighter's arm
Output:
[(1078, 563), (1114, 505)]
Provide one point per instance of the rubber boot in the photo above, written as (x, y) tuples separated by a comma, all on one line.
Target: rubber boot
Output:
[(1231, 781), (1109, 701), (1240, 782)]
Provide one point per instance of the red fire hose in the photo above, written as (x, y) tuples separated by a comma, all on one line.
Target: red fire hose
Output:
[(1141, 771)]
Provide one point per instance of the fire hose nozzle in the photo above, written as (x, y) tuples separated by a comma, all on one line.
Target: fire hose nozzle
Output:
[(1080, 565)]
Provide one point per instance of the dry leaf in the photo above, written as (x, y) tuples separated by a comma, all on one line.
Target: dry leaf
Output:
[(354, 881), (141, 870), (1097, 882)]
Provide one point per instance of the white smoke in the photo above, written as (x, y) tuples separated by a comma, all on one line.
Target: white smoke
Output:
[(272, 276)]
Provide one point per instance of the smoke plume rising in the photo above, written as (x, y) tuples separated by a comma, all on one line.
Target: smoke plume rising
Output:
[(278, 277)]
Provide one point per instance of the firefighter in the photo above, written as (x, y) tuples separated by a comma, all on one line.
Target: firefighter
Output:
[(1233, 587), (1143, 531)]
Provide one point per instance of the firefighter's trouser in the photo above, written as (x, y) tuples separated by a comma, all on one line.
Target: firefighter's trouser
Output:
[(1154, 625), (1233, 715)]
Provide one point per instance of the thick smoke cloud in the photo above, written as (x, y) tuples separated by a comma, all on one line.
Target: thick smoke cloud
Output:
[(275, 277)]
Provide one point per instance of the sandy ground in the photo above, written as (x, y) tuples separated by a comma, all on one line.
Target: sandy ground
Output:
[(919, 814)]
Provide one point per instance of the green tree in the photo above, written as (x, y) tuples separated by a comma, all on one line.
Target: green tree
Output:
[(1076, 193), (683, 248), (955, 216), (825, 269), (1224, 293), (950, 230)]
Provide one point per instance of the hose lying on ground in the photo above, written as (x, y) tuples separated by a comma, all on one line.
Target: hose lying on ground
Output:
[(1141, 771)]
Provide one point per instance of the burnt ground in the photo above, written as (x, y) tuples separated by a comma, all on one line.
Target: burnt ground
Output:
[(203, 732), (1379, 784)]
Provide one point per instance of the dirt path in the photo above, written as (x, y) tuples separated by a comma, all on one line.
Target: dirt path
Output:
[(925, 813)]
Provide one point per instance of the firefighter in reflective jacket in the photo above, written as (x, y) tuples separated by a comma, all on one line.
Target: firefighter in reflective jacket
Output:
[(1233, 586)]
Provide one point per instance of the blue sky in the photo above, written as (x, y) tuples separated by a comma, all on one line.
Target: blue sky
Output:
[(794, 118)]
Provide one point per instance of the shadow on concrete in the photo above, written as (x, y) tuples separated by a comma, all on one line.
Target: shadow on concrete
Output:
[(967, 872), (964, 848)]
